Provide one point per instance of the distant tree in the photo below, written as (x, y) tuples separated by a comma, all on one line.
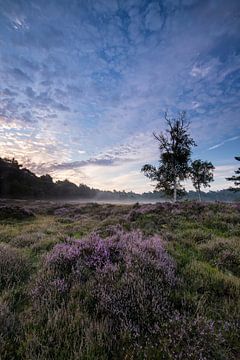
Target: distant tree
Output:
[(235, 178), (201, 174), (46, 186), (175, 152), (46, 179), (13, 162), (85, 191)]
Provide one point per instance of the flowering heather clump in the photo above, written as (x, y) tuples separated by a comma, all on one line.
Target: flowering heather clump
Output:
[(95, 252), (150, 251), (135, 294), (122, 253), (62, 212), (236, 206), (92, 252), (144, 209), (15, 212), (158, 209), (49, 292), (13, 266), (63, 256), (56, 285), (124, 280), (140, 210), (110, 230), (27, 239), (9, 332), (188, 338), (60, 285)]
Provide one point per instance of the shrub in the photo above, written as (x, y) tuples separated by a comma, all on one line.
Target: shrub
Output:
[(15, 212), (187, 337), (95, 253), (125, 280), (9, 333), (27, 239), (14, 267)]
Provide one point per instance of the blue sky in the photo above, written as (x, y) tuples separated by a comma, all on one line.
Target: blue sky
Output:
[(85, 83)]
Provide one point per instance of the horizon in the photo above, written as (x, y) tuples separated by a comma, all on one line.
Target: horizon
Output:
[(205, 190), (84, 85)]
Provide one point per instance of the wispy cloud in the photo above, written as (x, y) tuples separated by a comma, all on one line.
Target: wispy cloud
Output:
[(200, 71), (224, 142)]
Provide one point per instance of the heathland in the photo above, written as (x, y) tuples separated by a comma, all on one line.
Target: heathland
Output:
[(97, 281)]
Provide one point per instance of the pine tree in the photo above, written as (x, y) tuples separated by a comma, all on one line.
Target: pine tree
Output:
[(175, 152), (235, 178)]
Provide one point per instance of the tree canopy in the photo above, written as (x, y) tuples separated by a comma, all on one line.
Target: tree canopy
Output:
[(235, 178), (175, 147), (201, 174)]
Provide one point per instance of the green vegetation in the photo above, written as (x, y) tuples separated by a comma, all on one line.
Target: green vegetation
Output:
[(97, 281), (175, 154), (201, 174), (235, 178), (17, 182)]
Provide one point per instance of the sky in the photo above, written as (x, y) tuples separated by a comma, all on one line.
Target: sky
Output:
[(84, 83)]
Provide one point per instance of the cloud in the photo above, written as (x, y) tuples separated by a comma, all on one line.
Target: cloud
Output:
[(112, 157), (83, 163), (8, 92), (29, 144), (224, 142), (101, 78), (19, 23), (154, 18), (200, 71), (30, 92), (19, 75)]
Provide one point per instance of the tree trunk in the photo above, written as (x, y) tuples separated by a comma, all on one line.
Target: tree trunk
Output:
[(199, 194), (175, 192)]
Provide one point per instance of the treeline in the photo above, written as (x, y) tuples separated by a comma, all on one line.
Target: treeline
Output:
[(220, 195), (21, 183)]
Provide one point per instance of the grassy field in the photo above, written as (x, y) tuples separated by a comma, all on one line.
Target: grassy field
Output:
[(120, 282)]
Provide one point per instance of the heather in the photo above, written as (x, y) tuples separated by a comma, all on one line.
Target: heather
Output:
[(154, 281), (13, 267)]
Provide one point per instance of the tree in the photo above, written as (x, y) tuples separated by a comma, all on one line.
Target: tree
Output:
[(235, 178), (175, 152), (201, 175)]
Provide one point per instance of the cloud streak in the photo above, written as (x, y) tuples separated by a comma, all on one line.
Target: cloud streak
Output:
[(224, 142)]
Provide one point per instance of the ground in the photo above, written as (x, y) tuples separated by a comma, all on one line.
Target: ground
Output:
[(91, 281)]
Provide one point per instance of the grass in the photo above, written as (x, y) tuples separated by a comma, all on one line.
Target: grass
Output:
[(121, 282)]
